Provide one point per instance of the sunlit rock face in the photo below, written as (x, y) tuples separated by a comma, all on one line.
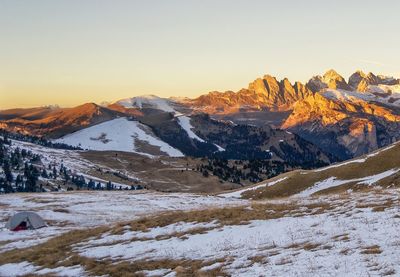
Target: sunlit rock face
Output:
[(331, 79), (348, 128), (263, 93)]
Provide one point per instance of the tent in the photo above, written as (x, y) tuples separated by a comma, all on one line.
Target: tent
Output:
[(24, 221)]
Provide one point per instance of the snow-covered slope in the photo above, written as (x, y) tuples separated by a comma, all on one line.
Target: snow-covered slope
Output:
[(381, 94), (118, 134)]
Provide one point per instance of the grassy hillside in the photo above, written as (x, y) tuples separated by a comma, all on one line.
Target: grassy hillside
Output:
[(378, 168)]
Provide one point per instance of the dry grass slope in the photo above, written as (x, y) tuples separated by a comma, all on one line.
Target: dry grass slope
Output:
[(298, 181)]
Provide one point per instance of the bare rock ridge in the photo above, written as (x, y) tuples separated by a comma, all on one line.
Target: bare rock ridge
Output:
[(263, 93)]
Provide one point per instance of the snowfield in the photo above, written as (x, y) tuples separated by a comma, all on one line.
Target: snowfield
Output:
[(351, 234), (87, 209), (118, 134), (388, 95)]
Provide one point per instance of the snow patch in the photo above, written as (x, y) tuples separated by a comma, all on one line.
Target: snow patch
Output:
[(334, 182), (17, 269), (238, 193)]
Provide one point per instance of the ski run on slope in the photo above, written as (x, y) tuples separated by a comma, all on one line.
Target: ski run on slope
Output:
[(118, 134), (184, 122)]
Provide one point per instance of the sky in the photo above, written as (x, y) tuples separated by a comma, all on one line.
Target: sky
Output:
[(69, 52)]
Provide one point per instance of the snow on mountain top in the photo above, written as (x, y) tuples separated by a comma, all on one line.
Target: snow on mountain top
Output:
[(118, 134), (374, 94), (343, 95), (384, 89), (147, 100)]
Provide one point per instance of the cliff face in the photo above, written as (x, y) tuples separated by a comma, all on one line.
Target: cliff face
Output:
[(263, 93)]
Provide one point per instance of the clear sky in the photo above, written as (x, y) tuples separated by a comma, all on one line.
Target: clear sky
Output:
[(70, 52)]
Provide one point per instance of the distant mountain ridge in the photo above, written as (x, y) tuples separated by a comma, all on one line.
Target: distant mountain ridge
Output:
[(345, 118), (342, 118), (55, 122)]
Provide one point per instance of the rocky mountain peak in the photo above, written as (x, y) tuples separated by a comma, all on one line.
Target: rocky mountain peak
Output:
[(335, 81), (332, 74), (331, 79), (360, 81)]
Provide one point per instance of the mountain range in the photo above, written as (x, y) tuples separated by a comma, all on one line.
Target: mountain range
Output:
[(325, 120)]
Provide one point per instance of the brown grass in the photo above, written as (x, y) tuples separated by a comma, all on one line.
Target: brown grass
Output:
[(345, 251), (226, 216), (342, 237), (41, 200), (259, 259), (311, 246), (50, 253), (54, 252), (161, 174), (378, 206), (374, 249), (58, 252)]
